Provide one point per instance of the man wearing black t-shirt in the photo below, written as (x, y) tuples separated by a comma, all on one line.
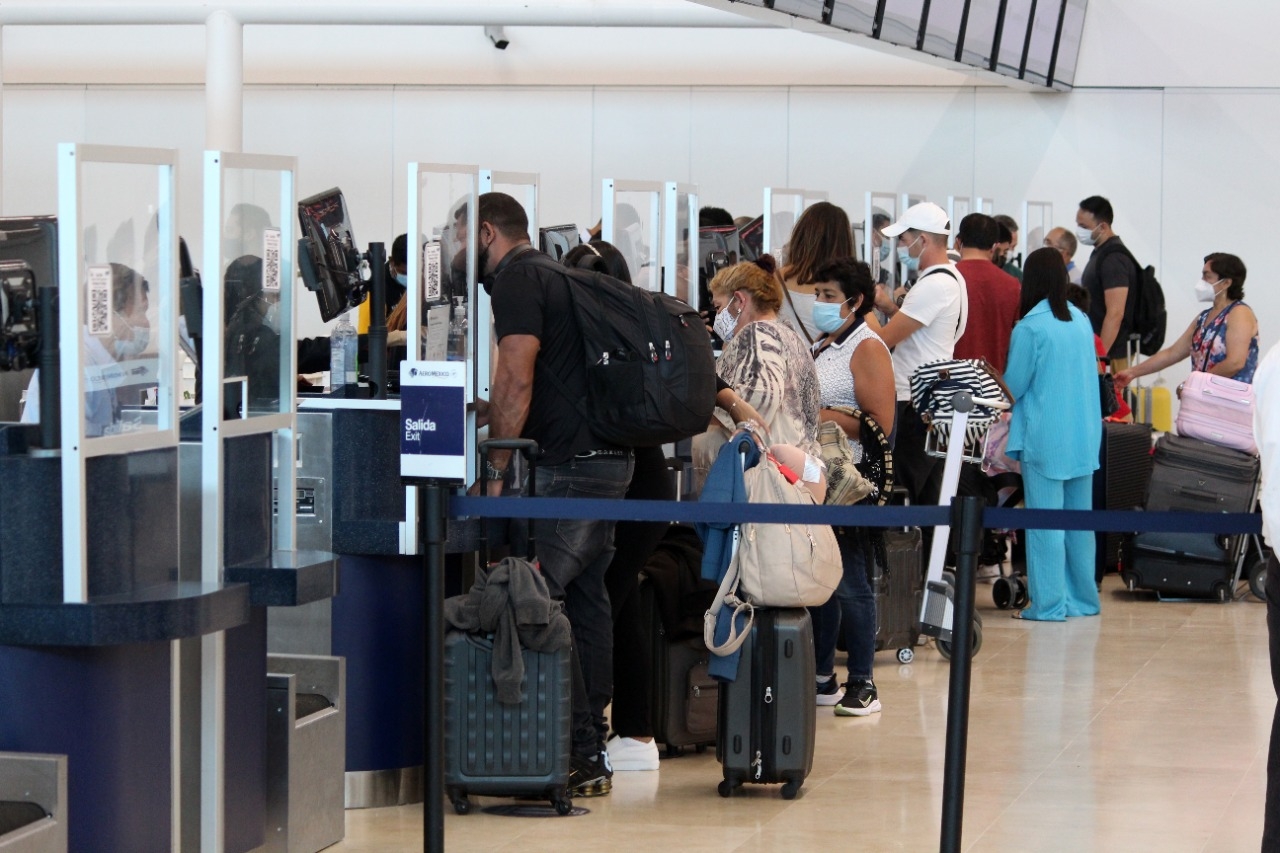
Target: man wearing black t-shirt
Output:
[(1110, 276), (541, 374)]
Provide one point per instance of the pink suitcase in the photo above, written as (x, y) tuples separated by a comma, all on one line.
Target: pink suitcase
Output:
[(1217, 410)]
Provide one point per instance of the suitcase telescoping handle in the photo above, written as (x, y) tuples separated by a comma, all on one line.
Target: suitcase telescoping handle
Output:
[(526, 447)]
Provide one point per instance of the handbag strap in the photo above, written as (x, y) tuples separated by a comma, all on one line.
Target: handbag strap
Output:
[(786, 291), (728, 594)]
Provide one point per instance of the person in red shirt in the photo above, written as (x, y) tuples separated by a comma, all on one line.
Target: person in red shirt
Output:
[(994, 295)]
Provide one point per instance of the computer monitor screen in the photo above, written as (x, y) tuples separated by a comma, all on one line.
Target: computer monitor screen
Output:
[(557, 240), (718, 247), (328, 258), (28, 261)]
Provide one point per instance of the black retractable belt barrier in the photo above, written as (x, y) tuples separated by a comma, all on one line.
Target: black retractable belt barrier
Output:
[(433, 508), (966, 514)]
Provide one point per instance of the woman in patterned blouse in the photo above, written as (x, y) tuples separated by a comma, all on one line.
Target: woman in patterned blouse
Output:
[(1222, 339)]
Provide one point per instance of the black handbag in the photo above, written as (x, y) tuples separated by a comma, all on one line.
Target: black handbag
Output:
[(1107, 388)]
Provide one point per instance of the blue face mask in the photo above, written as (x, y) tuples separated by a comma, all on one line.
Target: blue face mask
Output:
[(909, 263), (884, 252), (402, 279), (826, 316)]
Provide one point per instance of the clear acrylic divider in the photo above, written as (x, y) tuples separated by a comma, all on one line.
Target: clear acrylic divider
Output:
[(631, 219)]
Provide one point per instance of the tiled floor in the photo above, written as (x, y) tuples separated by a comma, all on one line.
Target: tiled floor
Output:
[(1143, 730)]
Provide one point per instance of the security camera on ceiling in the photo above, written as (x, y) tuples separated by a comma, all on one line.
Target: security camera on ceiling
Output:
[(498, 36)]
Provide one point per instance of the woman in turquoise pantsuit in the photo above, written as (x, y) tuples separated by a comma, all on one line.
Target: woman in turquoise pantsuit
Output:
[(1055, 432)]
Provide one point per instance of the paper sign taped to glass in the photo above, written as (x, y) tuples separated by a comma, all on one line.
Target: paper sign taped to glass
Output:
[(433, 416)]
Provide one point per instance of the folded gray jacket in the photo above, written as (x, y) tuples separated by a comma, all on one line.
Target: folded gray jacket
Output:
[(510, 601)]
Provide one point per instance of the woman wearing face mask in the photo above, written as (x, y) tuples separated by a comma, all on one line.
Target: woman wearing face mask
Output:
[(854, 369), (822, 233), (1223, 338), (765, 362)]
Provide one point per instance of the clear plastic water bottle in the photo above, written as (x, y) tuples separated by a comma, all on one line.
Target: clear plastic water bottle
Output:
[(458, 331), (342, 354)]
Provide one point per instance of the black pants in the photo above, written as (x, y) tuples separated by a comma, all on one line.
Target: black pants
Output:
[(1271, 821), (634, 542)]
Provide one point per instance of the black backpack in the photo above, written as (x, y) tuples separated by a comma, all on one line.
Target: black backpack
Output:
[(651, 375), (1144, 311)]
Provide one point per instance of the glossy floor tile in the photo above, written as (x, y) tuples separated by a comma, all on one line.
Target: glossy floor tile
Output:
[(1142, 730)]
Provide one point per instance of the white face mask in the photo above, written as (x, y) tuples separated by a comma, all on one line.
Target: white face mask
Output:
[(1084, 235), (1206, 292), (726, 323), (133, 347)]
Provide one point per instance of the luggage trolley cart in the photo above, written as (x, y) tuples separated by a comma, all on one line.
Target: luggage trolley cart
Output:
[(975, 399)]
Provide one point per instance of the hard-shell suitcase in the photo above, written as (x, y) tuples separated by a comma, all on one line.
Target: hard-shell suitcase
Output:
[(1218, 410), (505, 750), (768, 715), (685, 696), (1121, 481), (498, 749), (899, 588), (1190, 475)]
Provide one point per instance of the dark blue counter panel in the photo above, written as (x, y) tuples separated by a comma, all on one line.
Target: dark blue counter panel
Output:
[(368, 498), (377, 626)]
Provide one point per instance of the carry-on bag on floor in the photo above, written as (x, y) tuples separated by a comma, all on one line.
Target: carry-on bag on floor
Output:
[(1120, 482), (768, 715), (683, 695), (1189, 475), (899, 589), (498, 749)]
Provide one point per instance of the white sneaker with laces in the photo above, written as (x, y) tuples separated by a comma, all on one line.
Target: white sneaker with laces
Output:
[(626, 753)]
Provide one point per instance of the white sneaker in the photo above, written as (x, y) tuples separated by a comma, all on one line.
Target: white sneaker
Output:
[(830, 692), (626, 753)]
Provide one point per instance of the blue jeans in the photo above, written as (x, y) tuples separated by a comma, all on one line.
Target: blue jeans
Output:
[(574, 554), (852, 608)]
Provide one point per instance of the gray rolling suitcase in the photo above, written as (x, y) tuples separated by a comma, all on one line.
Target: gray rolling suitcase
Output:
[(685, 696), (1189, 475), (498, 749), (768, 715), (899, 588)]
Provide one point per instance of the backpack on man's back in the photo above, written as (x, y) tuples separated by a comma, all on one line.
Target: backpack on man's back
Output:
[(651, 375), (1144, 311)]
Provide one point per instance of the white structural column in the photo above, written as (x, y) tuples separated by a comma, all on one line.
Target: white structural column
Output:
[(224, 82)]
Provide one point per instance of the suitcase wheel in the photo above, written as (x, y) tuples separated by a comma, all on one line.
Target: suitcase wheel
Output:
[(944, 647), (1222, 591), (700, 748), (1258, 580), (563, 805), (790, 788), (906, 655), (1130, 581), (461, 804), (1009, 592), (728, 785)]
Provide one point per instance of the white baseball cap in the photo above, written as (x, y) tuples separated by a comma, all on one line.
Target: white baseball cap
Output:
[(925, 216)]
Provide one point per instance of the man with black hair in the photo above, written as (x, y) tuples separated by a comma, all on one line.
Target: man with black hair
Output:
[(1109, 276), (994, 295), (1006, 245), (541, 375), (714, 217)]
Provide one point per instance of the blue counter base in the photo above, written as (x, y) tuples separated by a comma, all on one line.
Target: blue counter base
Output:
[(169, 611)]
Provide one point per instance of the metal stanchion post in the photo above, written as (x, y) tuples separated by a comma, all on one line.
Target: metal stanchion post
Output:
[(966, 516), (434, 520)]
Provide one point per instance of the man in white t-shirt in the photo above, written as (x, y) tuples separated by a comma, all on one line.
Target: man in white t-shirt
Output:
[(923, 327)]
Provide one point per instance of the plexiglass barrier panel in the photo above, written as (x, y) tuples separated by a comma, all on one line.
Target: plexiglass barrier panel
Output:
[(958, 207), (124, 297), (254, 273), (1037, 221), (443, 262), (782, 209), (985, 205), (523, 187), (881, 211), (632, 221), (680, 242)]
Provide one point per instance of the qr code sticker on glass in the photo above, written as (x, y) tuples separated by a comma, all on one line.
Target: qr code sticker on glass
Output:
[(271, 260), (100, 315), (431, 270)]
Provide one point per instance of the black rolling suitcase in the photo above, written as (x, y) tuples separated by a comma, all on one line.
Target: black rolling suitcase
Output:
[(1120, 482), (899, 587), (497, 749), (1189, 475), (768, 715)]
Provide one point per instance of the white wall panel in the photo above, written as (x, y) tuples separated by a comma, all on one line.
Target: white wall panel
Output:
[(739, 146), (639, 135), (1220, 189), (849, 141), (35, 121)]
